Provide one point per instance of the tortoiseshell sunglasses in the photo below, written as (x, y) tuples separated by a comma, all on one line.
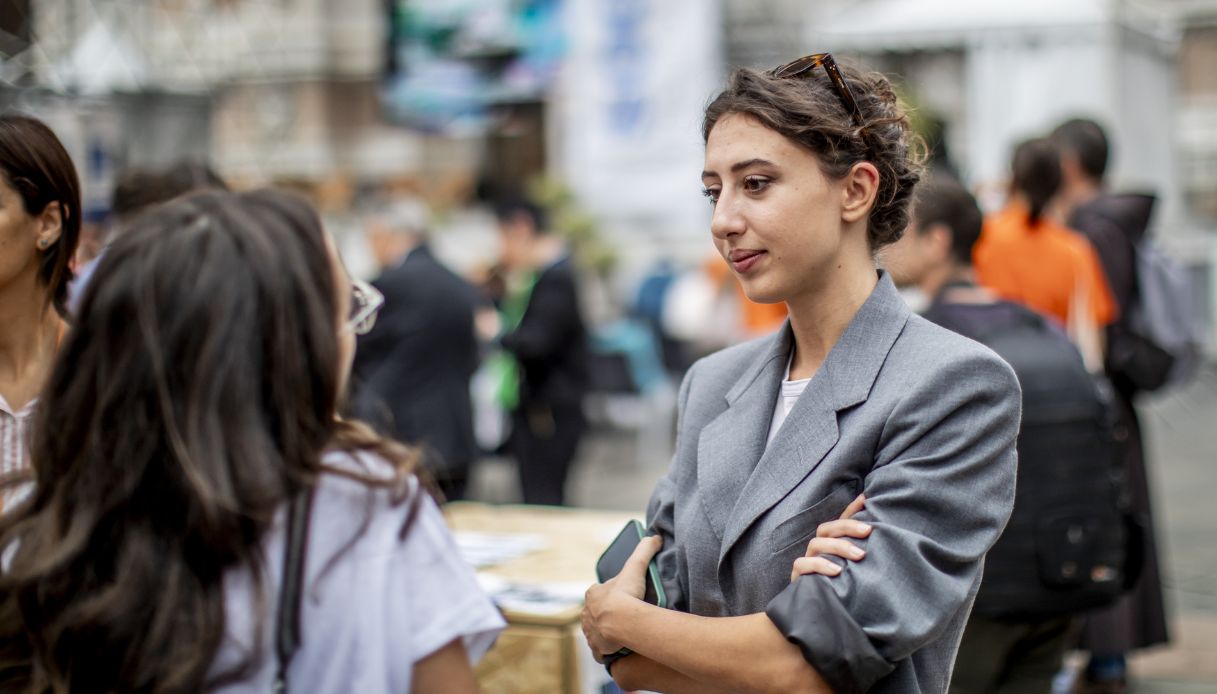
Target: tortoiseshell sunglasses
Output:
[(804, 65)]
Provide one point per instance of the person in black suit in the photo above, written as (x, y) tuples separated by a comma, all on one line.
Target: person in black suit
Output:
[(549, 343), (1115, 223), (412, 371)]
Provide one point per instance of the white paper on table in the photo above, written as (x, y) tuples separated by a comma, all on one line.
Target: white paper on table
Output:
[(537, 598), (489, 549)]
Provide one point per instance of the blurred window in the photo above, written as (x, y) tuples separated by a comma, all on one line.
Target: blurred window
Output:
[(1197, 56), (15, 27), (1197, 133)]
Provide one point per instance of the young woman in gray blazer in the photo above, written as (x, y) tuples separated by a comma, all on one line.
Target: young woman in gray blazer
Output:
[(810, 168)]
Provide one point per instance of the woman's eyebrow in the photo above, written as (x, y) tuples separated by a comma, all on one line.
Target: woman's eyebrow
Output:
[(740, 165)]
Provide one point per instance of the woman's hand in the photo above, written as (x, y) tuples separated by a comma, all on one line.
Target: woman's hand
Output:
[(602, 599), (828, 540)]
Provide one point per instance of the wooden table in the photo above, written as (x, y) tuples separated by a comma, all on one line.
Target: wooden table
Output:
[(541, 653)]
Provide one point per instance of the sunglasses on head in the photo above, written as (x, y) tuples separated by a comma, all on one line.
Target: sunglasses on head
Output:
[(803, 66)]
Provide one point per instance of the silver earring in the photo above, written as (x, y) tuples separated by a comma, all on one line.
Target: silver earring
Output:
[(42, 243)]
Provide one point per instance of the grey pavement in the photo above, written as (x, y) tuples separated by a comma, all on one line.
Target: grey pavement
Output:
[(618, 466), (1181, 435)]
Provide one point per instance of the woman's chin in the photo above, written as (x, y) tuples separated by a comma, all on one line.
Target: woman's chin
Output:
[(763, 295)]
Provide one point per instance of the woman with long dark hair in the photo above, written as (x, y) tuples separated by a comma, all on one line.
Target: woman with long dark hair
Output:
[(187, 434), (39, 230)]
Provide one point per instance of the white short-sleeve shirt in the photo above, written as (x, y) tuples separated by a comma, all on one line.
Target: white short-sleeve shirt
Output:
[(366, 617)]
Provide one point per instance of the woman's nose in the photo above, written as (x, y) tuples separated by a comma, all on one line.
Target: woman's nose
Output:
[(727, 220)]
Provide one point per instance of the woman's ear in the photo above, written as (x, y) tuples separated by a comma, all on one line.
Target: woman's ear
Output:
[(858, 192), (50, 225)]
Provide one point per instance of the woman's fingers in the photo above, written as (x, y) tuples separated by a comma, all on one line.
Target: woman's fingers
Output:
[(591, 629), (813, 565), (843, 528), (590, 637), (632, 578), (815, 561), (855, 506), (635, 569), (836, 547)]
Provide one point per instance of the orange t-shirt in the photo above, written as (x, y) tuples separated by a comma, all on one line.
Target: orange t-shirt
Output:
[(755, 318), (1041, 267)]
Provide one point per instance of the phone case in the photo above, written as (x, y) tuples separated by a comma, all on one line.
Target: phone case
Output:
[(661, 598)]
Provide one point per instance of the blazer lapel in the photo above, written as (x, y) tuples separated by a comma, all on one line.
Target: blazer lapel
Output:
[(730, 446), (810, 431)]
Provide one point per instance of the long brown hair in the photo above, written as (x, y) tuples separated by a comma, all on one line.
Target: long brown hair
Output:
[(34, 163), (195, 395)]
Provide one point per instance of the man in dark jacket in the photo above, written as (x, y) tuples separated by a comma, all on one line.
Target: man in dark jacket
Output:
[(549, 343), (1004, 649), (412, 371), (1114, 223)]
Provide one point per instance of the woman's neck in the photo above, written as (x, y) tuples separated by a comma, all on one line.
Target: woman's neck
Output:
[(27, 341), (818, 319)]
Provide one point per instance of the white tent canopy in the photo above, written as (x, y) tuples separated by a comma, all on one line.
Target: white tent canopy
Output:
[(922, 24), (101, 63), (1021, 68)]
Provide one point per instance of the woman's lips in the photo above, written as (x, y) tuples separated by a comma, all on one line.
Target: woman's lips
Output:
[(742, 261)]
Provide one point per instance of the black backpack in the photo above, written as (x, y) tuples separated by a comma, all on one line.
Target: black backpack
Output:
[(1066, 547), (1159, 343), (1158, 340)]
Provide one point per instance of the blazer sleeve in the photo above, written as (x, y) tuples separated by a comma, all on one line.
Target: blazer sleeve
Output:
[(661, 516), (938, 497)]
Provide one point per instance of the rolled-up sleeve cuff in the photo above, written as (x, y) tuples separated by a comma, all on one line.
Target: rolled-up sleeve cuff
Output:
[(810, 615)]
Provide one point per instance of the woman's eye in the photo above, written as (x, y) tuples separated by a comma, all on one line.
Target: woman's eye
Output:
[(711, 194), (755, 184)]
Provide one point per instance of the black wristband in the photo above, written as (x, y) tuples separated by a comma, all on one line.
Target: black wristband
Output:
[(611, 658)]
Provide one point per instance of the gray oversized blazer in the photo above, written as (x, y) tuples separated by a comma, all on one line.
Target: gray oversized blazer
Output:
[(921, 419)]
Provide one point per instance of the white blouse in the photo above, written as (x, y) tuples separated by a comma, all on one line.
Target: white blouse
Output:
[(15, 426)]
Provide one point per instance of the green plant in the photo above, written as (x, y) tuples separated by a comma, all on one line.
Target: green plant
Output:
[(575, 224)]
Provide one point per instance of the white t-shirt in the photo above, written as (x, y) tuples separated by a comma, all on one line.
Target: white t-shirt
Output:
[(384, 604), (788, 395)]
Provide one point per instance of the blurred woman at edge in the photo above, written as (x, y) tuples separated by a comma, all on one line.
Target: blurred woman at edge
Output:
[(194, 399), (39, 230)]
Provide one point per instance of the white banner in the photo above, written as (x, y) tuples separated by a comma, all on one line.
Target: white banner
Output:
[(637, 76)]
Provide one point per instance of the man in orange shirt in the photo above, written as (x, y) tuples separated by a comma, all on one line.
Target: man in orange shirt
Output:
[(1025, 257)]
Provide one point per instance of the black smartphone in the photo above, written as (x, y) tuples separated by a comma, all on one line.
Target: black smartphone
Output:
[(613, 560)]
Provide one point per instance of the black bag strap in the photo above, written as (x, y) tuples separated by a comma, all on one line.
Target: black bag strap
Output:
[(287, 617)]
